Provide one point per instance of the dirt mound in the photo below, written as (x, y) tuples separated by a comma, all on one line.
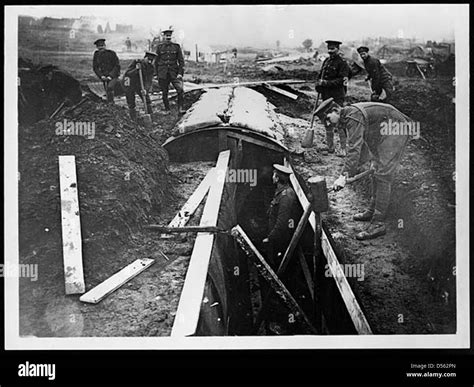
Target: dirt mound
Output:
[(42, 89), (122, 175)]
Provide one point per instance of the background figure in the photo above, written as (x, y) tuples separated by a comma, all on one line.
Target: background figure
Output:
[(332, 83), (169, 65), (106, 66), (132, 85)]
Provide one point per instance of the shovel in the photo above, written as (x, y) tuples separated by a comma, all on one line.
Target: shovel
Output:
[(309, 135), (147, 117)]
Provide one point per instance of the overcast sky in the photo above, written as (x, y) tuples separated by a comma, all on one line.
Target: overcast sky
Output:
[(263, 25)]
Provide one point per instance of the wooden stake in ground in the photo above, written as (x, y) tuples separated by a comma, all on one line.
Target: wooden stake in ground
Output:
[(71, 226), (111, 284), (267, 272)]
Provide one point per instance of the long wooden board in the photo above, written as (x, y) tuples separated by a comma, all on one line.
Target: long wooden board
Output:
[(111, 284), (188, 209), (71, 227), (187, 315), (357, 316), (281, 91)]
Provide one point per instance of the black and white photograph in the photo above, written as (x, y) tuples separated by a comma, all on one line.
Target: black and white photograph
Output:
[(237, 176)]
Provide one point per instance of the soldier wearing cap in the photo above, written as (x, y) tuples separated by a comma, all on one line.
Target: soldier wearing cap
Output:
[(380, 77), (367, 140), (332, 83), (132, 85), (169, 65), (284, 214), (106, 66)]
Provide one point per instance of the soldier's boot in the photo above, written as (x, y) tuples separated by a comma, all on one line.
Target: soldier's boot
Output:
[(375, 229), (366, 215), (180, 104), (133, 114), (377, 226), (166, 103)]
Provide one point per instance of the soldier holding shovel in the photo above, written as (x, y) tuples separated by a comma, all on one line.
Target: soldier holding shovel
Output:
[(138, 79)]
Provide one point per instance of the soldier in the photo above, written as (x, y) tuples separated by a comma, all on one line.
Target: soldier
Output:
[(332, 83), (370, 138), (128, 44), (379, 76), (169, 65), (284, 214), (106, 66), (132, 85)]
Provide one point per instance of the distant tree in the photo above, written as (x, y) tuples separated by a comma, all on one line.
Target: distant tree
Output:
[(307, 43), (99, 29), (278, 45)]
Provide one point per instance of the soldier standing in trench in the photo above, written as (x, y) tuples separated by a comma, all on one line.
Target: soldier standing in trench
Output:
[(332, 83), (106, 66), (283, 215), (368, 139), (132, 85), (169, 65), (379, 76)]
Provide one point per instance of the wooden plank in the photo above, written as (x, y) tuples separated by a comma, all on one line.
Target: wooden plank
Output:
[(111, 284), (357, 316), (183, 216), (267, 272), (256, 141), (187, 314), (281, 91), (167, 229), (352, 306), (306, 272), (71, 226)]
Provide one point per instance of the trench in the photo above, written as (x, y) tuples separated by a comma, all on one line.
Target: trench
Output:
[(234, 288)]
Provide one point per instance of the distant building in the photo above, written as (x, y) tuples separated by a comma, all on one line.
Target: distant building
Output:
[(58, 24)]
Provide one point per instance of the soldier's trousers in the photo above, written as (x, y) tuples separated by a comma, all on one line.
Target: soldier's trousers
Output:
[(164, 86), (130, 95), (386, 85), (110, 89), (380, 197), (330, 129)]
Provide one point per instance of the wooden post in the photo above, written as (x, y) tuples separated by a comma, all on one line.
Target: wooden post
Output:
[(270, 276), (319, 194)]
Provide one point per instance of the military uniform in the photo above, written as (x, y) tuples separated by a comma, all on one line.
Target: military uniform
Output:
[(132, 86), (380, 78), (334, 76), (169, 64), (366, 141), (106, 63), (377, 73), (283, 217)]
